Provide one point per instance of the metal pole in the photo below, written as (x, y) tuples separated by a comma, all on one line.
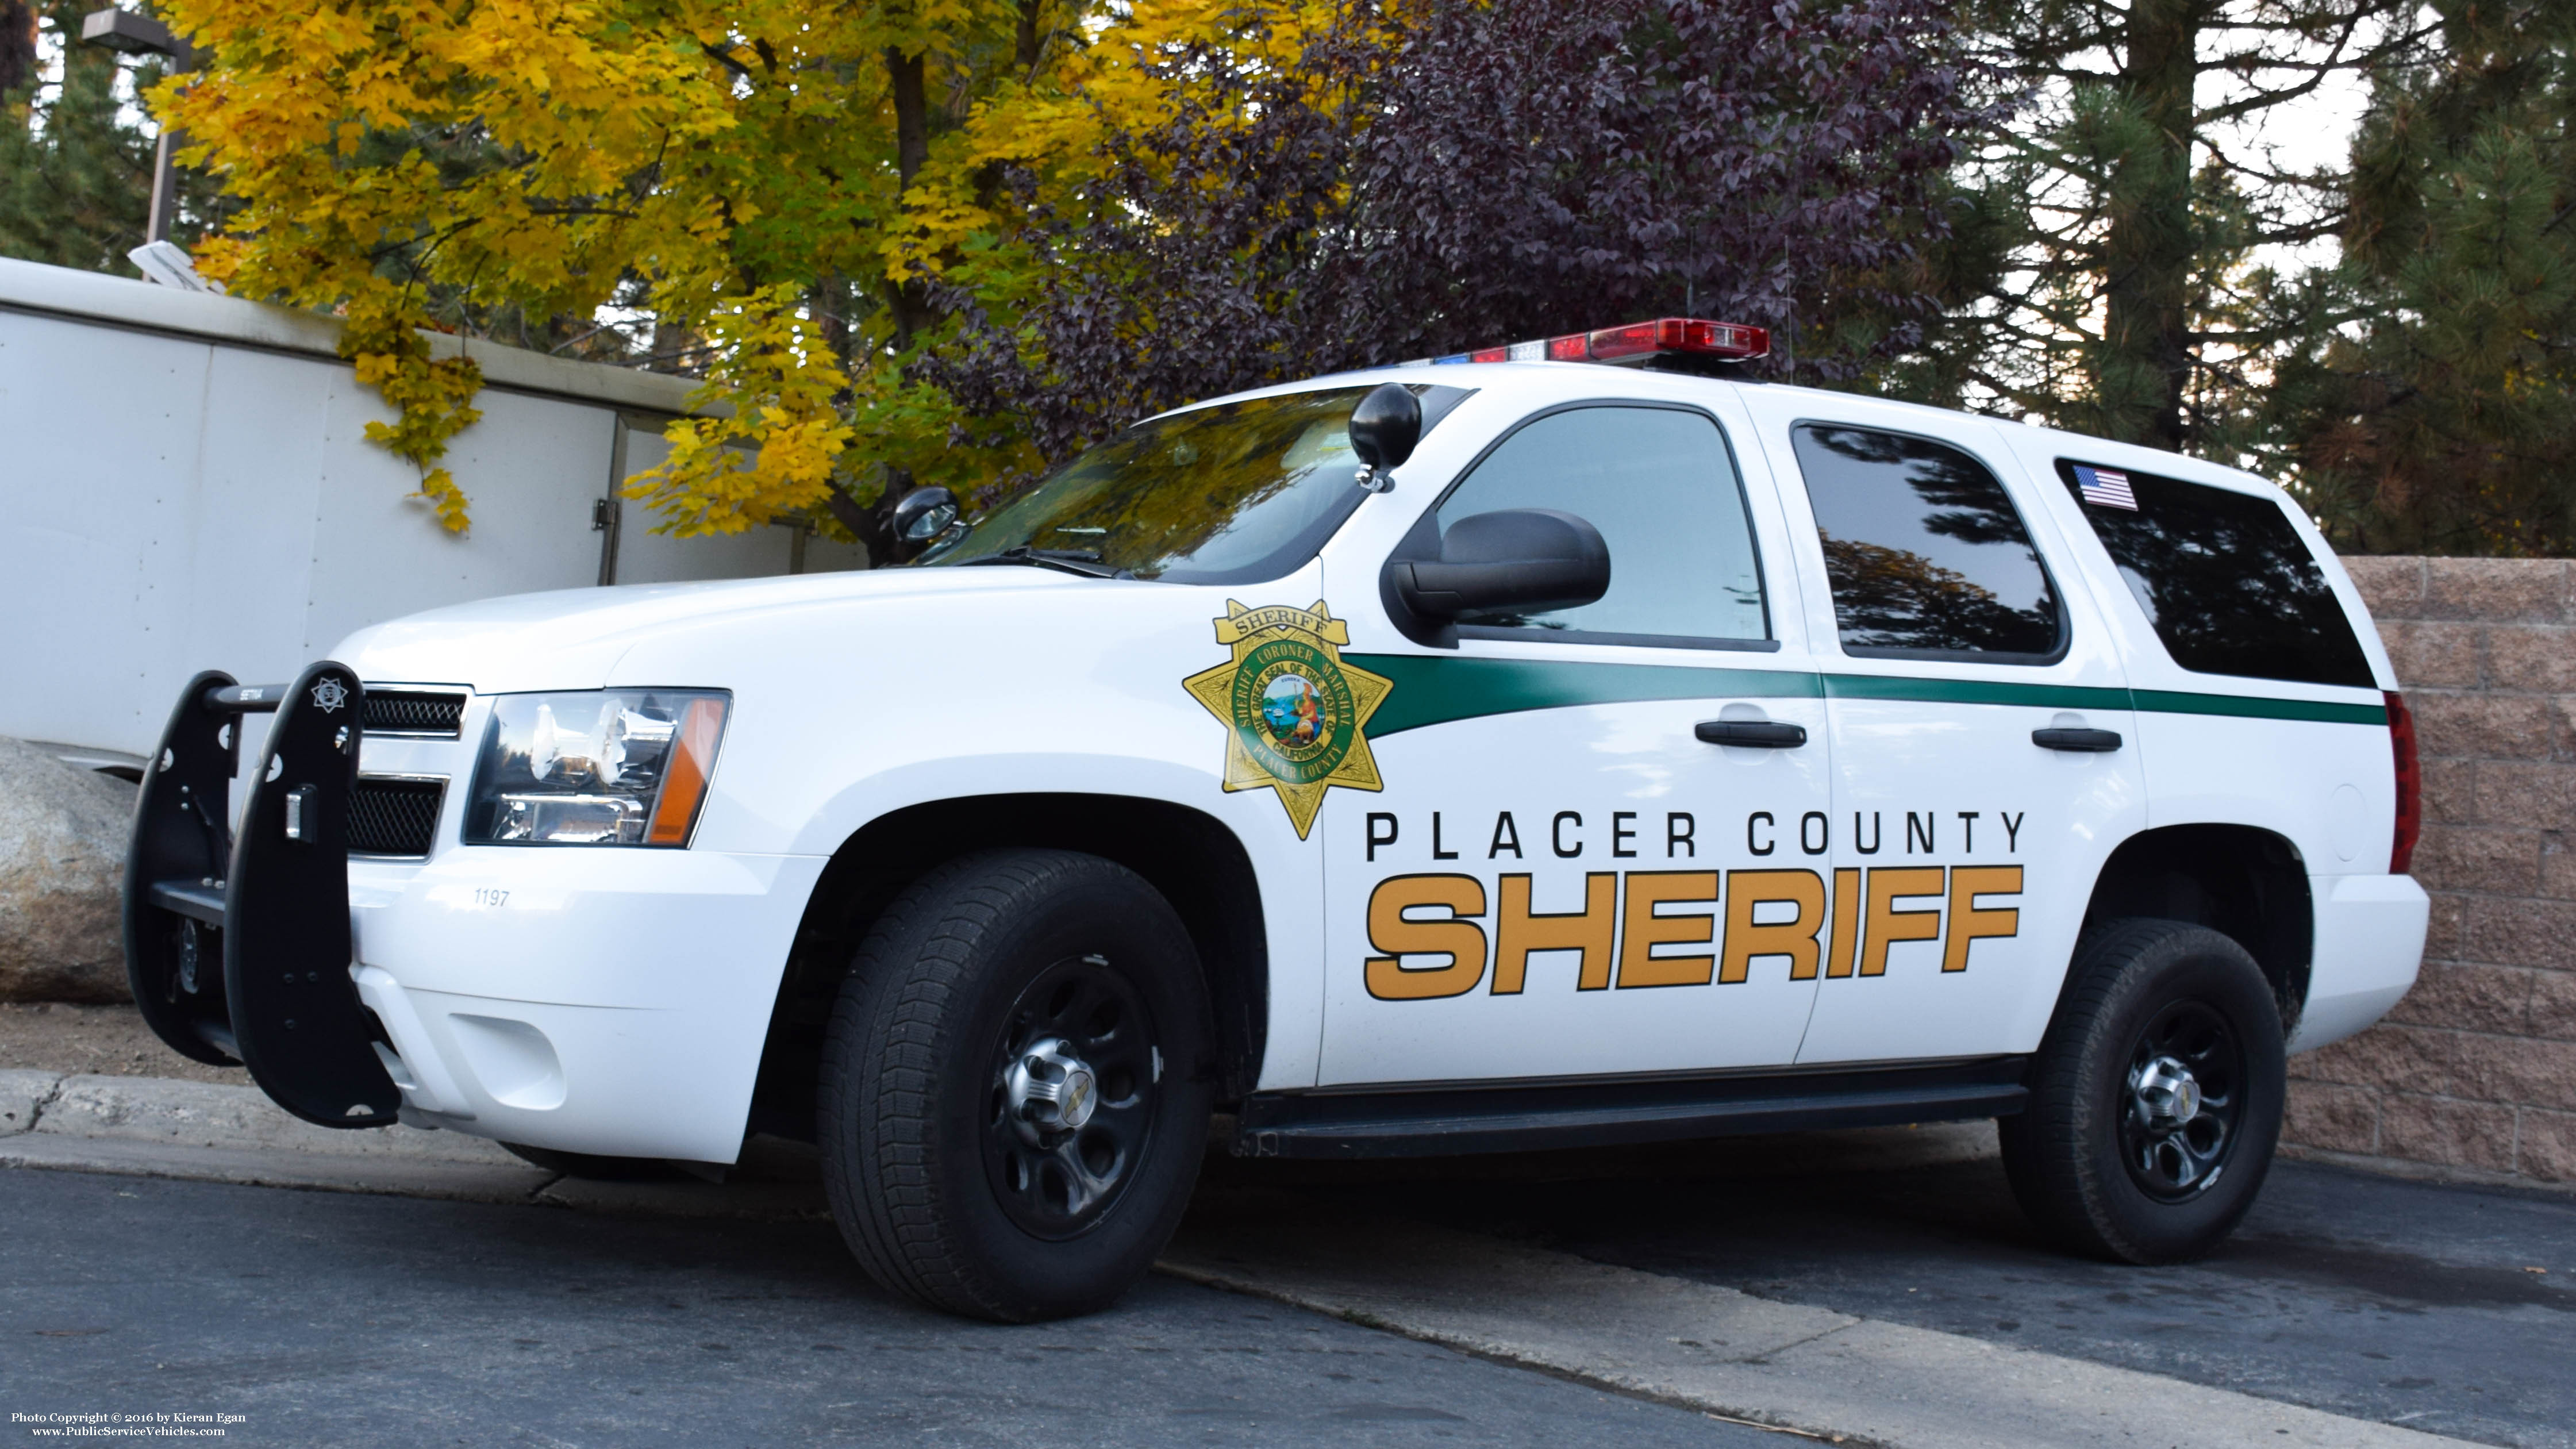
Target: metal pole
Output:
[(126, 32), (165, 188)]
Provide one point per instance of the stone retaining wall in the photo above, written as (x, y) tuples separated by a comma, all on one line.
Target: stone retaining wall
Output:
[(2475, 1071)]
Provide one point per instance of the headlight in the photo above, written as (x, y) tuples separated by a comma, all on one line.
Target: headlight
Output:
[(601, 767)]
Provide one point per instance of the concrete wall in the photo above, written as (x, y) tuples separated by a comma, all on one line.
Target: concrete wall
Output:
[(2475, 1072), (186, 484)]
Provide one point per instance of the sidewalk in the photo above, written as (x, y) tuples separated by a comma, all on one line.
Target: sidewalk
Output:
[(215, 1132), (77, 1040)]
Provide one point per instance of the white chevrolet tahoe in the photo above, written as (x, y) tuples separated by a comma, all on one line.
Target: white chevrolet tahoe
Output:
[(1437, 759)]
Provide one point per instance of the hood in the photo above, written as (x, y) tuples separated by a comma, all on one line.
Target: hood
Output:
[(573, 638)]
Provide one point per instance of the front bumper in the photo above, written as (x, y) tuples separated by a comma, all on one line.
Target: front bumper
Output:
[(591, 999)]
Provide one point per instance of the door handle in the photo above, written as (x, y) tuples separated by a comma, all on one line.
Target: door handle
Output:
[(1760, 734), (2087, 742)]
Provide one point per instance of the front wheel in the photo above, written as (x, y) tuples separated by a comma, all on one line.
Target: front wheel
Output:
[(2155, 1100), (1016, 1086)]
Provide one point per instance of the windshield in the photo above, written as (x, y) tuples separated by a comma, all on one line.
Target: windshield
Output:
[(1236, 493)]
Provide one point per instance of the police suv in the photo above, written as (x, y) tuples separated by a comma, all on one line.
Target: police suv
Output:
[(1518, 753)]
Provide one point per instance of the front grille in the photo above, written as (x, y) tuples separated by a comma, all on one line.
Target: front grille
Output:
[(413, 712), (394, 817)]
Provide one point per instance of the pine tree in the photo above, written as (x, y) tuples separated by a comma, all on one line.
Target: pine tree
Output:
[(2441, 418), (2098, 277), (76, 156), (17, 51)]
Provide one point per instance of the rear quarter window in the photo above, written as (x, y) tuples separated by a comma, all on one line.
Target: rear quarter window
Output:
[(2229, 585)]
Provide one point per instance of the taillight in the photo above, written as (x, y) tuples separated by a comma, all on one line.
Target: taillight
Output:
[(2410, 785)]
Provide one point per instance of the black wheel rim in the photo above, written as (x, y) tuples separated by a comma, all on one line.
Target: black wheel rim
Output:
[(1059, 1160), (2183, 1101)]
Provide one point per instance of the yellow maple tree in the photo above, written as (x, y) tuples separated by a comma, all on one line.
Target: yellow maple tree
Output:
[(782, 185)]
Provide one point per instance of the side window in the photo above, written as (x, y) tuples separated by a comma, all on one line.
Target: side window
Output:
[(1925, 551), (2228, 583), (1661, 487)]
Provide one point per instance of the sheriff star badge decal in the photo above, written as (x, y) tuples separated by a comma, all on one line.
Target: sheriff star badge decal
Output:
[(1293, 711)]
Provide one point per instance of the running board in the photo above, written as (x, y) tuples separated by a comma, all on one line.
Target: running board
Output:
[(1525, 1117)]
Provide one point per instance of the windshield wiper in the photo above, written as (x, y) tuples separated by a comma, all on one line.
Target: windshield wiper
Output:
[(1067, 560)]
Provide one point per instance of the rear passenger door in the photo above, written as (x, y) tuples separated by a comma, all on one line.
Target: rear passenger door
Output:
[(2259, 702), (1985, 756)]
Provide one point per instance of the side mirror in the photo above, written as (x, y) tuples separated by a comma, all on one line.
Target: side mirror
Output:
[(924, 514), (1521, 560), (1384, 428)]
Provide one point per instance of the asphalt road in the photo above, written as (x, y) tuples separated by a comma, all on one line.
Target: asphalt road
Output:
[(2361, 1295), (328, 1318), (336, 1319)]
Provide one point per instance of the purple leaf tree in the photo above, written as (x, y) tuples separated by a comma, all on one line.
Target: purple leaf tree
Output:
[(1460, 173)]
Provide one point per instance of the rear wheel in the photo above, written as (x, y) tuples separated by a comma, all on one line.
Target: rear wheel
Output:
[(2155, 1100), (1015, 1088)]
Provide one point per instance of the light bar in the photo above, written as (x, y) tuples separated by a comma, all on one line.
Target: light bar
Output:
[(1730, 341)]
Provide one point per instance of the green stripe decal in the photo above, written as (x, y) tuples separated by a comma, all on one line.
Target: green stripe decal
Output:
[(2240, 706), (1433, 689), (1973, 691)]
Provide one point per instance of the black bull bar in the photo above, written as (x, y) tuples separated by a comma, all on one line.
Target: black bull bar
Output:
[(238, 948)]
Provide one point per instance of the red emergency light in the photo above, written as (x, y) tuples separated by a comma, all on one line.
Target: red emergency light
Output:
[(1688, 336)]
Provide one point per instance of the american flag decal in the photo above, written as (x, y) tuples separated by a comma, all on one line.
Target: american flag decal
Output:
[(2105, 487)]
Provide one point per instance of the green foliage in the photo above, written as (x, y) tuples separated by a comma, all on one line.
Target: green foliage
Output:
[(75, 165), (849, 224), (2101, 274), (777, 191), (1440, 176), (2441, 418)]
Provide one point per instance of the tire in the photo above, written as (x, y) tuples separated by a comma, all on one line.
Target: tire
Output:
[(591, 1167), (2120, 1155), (965, 1168)]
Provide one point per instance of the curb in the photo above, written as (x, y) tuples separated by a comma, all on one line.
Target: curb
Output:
[(1804, 1370), (212, 1132), (172, 1113)]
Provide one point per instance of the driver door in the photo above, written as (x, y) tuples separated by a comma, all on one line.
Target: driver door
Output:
[(1565, 874)]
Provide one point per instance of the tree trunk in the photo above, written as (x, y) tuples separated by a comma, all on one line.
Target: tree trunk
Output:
[(1029, 38), (2144, 365), (908, 301), (18, 50), (867, 525)]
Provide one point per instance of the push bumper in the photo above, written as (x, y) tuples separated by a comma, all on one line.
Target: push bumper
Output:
[(237, 947), (599, 1000)]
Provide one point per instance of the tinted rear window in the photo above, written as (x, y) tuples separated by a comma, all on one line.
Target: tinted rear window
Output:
[(1926, 554), (2228, 583)]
